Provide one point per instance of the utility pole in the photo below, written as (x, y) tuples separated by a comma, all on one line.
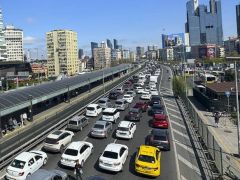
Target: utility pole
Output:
[(237, 101)]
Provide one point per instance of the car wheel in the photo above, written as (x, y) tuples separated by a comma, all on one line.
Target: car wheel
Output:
[(44, 161), (61, 149)]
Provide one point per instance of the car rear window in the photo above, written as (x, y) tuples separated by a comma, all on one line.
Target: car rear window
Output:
[(123, 129), (18, 164), (98, 126), (57, 132), (72, 122), (108, 113), (71, 152), (90, 108), (119, 102), (134, 110), (146, 158), (160, 138), (51, 141), (102, 101), (109, 154)]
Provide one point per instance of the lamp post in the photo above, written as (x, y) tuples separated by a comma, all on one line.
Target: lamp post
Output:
[(31, 108), (68, 95), (237, 102)]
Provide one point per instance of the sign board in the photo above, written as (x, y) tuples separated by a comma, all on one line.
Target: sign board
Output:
[(0, 83), (227, 93)]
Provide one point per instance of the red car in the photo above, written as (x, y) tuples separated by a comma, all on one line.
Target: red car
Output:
[(160, 121), (141, 105)]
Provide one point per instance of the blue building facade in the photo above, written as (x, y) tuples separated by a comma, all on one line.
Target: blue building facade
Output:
[(203, 26)]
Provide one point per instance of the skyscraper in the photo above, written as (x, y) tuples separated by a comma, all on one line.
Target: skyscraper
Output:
[(109, 43), (238, 19), (62, 51), (93, 46), (80, 53), (139, 51), (115, 44), (204, 27), (14, 42), (102, 56), (3, 50)]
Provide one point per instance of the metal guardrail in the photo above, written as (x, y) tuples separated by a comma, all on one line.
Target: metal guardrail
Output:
[(32, 142)]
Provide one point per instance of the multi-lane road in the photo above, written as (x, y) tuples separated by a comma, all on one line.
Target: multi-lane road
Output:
[(179, 163)]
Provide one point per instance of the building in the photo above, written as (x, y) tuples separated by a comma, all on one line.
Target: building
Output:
[(132, 56), (139, 52), (3, 47), (80, 53), (102, 56), (93, 46), (14, 42), (109, 44), (126, 54), (173, 40), (203, 26), (62, 53), (39, 69), (238, 19), (116, 56), (152, 55), (115, 44), (152, 48), (167, 54), (231, 46)]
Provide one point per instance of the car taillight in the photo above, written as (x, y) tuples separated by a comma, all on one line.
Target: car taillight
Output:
[(21, 173)]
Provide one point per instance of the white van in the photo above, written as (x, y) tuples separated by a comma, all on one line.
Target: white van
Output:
[(110, 114), (93, 110)]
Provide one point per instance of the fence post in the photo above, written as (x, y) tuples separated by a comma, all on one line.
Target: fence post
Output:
[(214, 154), (221, 169), (207, 138)]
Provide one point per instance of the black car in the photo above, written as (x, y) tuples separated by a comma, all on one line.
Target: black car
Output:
[(156, 109), (134, 114), (155, 100), (159, 138), (113, 95)]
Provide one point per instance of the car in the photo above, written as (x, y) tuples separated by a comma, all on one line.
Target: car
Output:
[(128, 98), (156, 109), (93, 110), (104, 103), (134, 114), (146, 95), (154, 92), (125, 130), (101, 129), (159, 138), (120, 90), (121, 104), (110, 114), (147, 161), (25, 164), (160, 121), (43, 174), (131, 93), (78, 150), (155, 99), (139, 90), (147, 89), (141, 105), (77, 123), (113, 157), (113, 95), (57, 140)]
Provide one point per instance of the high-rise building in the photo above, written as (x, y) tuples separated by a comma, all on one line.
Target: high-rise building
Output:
[(139, 51), (80, 53), (115, 44), (93, 46), (238, 19), (204, 27), (14, 42), (3, 48), (109, 43), (62, 52), (102, 56)]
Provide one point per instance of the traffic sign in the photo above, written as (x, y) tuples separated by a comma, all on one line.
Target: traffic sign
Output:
[(227, 93)]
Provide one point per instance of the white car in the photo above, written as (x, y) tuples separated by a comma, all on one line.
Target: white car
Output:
[(79, 150), (154, 92), (26, 164), (111, 115), (57, 140), (131, 93), (126, 130), (146, 95), (128, 98), (141, 83), (113, 157), (93, 110), (139, 90)]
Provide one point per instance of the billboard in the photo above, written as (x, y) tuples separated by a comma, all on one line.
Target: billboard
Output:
[(173, 40), (207, 52)]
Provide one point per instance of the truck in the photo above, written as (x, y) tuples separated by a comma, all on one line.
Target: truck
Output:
[(154, 79)]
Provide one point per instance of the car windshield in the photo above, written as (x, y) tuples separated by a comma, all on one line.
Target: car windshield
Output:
[(72, 122), (146, 158), (119, 102), (109, 154), (51, 141), (129, 92), (156, 107), (71, 152), (90, 108), (126, 96), (108, 113), (134, 110), (160, 138), (98, 126), (101, 101), (18, 164), (123, 129)]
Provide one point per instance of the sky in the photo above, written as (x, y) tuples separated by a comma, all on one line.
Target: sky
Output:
[(132, 22)]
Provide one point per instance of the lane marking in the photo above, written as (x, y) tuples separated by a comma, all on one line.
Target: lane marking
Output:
[(177, 117), (85, 138), (169, 100), (181, 134), (178, 124), (183, 178), (115, 141), (174, 145), (185, 147), (163, 88), (174, 110), (190, 165), (173, 105)]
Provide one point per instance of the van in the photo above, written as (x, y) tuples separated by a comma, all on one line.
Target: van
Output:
[(110, 114), (104, 103), (77, 123), (121, 104)]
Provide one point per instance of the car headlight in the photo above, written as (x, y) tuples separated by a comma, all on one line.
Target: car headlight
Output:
[(117, 164), (100, 161)]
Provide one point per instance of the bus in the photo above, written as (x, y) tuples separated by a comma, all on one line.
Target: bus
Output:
[(208, 78), (189, 72)]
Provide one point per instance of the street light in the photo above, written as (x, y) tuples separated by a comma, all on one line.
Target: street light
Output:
[(68, 95), (31, 108)]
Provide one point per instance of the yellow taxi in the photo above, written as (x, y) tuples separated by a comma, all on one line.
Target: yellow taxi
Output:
[(147, 161)]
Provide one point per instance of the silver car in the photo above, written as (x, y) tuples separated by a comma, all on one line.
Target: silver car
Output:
[(101, 129), (43, 174), (121, 104)]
